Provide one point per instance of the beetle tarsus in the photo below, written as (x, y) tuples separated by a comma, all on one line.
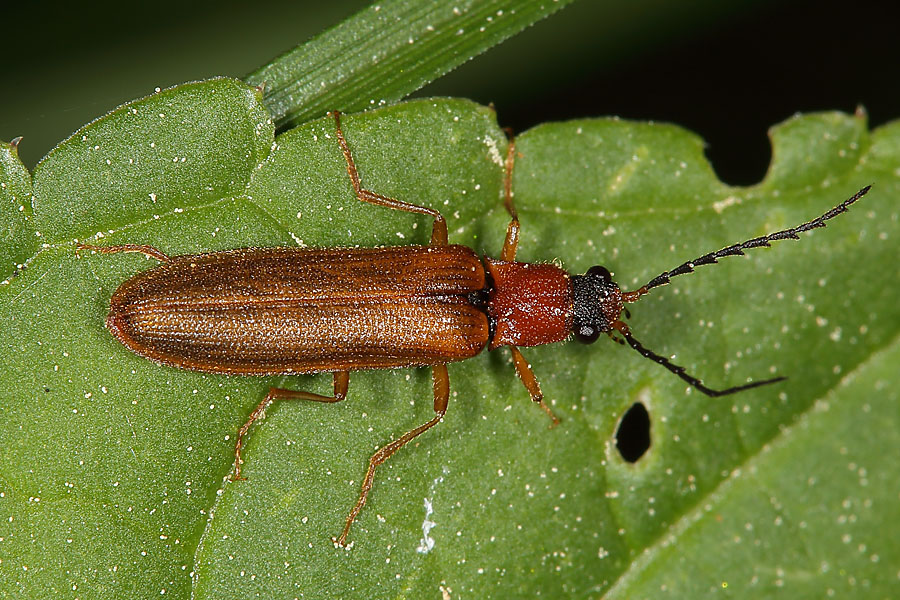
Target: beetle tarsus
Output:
[(148, 251), (554, 420)]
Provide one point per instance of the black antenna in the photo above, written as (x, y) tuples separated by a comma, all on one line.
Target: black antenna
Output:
[(738, 250), (680, 371)]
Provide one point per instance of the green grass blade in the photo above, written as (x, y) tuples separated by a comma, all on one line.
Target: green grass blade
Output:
[(387, 51)]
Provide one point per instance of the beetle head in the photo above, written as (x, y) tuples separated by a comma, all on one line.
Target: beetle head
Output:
[(598, 303)]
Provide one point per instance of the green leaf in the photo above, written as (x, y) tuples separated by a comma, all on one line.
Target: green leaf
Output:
[(388, 51), (181, 147), (114, 469), (15, 208), (803, 518)]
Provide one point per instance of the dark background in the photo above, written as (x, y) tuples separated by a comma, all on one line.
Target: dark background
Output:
[(727, 70)]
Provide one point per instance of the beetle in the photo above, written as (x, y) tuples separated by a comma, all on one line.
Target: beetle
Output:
[(285, 311)]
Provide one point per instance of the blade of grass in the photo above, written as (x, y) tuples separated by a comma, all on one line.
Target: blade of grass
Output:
[(387, 51)]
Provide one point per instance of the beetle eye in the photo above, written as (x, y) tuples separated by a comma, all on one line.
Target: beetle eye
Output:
[(601, 272), (586, 334)]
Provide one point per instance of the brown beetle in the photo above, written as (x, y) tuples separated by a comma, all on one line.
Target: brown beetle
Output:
[(282, 311)]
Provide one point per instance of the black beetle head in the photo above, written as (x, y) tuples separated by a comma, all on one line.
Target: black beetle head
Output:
[(597, 304)]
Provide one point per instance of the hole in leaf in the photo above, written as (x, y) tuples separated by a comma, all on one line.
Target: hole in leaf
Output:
[(633, 434)]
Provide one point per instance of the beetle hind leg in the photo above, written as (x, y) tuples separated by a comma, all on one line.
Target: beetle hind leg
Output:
[(341, 383), (441, 398)]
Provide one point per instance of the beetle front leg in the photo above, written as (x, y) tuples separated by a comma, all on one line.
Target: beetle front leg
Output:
[(441, 384), (341, 383), (523, 370), (511, 244)]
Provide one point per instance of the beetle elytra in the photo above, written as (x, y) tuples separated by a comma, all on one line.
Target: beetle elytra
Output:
[(281, 311)]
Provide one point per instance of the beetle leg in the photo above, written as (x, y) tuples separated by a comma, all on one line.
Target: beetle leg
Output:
[(511, 244), (441, 397), (523, 370), (438, 231), (148, 251), (611, 335), (341, 382)]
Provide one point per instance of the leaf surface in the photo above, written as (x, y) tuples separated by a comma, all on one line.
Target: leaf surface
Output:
[(15, 208), (113, 476)]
